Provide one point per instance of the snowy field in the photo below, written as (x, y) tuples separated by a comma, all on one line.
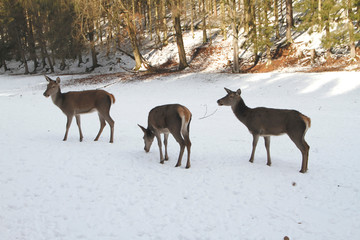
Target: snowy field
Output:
[(52, 190)]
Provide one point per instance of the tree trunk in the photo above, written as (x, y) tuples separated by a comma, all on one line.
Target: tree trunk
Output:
[(247, 16), (91, 35), (132, 35), (276, 15), (215, 7), (204, 22), (192, 18), (351, 30), (267, 33), (31, 41), (223, 19), (149, 8), (327, 35), (254, 32), (157, 24), (22, 53), (236, 67), (289, 21), (3, 63), (163, 8), (80, 61), (319, 16), (179, 40)]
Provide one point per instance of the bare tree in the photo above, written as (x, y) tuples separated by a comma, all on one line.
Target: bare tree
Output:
[(176, 10)]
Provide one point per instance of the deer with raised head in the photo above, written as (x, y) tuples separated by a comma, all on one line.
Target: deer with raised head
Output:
[(171, 118), (268, 122), (76, 103)]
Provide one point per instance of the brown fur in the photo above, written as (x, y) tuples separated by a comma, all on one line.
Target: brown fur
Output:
[(76, 103), (112, 98), (307, 120), (184, 112), (167, 119), (266, 122)]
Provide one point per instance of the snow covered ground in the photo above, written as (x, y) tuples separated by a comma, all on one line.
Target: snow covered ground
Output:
[(72, 190)]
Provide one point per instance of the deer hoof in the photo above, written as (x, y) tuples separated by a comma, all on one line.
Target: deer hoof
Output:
[(302, 171), (187, 166), (162, 162), (177, 165)]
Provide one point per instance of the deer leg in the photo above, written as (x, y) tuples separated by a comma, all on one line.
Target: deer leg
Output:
[(188, 148), (68, 124), (181, 142), (105, 115), (185, 134), (111, 123), (302, 145), (79, 126), (166, 136), (267, 146), (102, 125), (255, 141), (305, 156), (158, 137)]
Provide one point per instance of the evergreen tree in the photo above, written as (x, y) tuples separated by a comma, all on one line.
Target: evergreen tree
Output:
[(309, 17)]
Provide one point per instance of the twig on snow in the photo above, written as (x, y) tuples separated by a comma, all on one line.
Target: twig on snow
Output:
[(205, 114)]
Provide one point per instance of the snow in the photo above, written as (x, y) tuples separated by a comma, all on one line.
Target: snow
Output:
[(72, 190)]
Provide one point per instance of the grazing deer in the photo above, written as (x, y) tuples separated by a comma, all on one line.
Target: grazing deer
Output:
[(268, 122), (76, 103), (171, 118)]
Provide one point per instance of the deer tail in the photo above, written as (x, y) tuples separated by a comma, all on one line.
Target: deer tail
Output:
[(307, 121), (112, 98)]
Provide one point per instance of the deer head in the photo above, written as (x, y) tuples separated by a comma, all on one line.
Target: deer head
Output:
[(52, 87), (148, 138), (231, 98)]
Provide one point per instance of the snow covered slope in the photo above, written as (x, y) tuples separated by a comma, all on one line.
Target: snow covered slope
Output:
[(52, 189)]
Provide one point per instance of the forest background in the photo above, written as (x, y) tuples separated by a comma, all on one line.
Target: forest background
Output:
[(48, 32)]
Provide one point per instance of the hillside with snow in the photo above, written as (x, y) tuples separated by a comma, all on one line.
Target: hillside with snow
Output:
[(215, 56), (74, 190)]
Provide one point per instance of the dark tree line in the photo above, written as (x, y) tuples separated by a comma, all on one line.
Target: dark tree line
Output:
[(42, 34)]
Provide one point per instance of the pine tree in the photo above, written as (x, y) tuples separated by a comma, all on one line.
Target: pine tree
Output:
[(309, 18)]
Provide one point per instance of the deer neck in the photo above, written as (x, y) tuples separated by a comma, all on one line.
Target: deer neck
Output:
[(57, 98), (240, 110)]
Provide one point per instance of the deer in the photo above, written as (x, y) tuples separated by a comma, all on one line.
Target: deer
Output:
[(80, 102), (266, 122), (165, 119)]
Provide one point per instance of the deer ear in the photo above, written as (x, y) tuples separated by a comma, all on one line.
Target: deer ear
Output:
[(47, 78), (227, 90), (142, 128), (57, 80), (238, 92)]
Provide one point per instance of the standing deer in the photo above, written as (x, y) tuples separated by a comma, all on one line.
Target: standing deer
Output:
[(268, 122), (171, 118), (76, 103)]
